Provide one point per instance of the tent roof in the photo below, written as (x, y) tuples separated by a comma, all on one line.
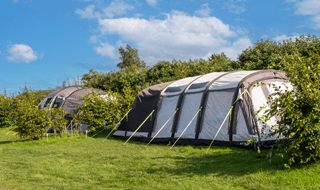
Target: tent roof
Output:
[(75, 99), (65, 92), (201, 83), (178, 86), (231, 80)]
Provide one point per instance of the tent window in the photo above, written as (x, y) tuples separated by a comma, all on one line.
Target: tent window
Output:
[(57, 103), (198, 85), (175, 89), (47, 102)]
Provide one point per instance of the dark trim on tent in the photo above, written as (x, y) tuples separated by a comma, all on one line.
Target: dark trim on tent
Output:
[(252, 124), (159, 104), (146, 101)]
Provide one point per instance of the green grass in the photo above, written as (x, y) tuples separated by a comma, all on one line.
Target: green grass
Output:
[(94, 163)]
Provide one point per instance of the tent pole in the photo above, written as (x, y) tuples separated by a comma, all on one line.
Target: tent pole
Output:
[(163, 126), (118, 123), (138, 127), (186, 127)]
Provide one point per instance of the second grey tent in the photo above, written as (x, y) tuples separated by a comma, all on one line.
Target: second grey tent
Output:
[(68, 98), (221, 104)]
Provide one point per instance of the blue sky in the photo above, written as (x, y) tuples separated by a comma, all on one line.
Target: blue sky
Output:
[(43, 43)]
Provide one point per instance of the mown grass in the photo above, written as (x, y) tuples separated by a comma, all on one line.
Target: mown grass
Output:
[(94, 163)]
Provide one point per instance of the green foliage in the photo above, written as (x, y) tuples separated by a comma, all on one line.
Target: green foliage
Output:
[(164, 71), (221, 62), (266, 54), (57, 120), (260, 56), (32, 122), (130, 58), (299, 109), (5, 108), (98, 111), (9, 105)]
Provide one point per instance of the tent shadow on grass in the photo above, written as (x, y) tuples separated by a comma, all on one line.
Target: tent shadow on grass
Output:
[(13, 141), (234, 162)]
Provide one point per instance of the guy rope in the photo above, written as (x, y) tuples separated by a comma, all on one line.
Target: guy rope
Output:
[(138, 128), (186, 127), (163, 126)]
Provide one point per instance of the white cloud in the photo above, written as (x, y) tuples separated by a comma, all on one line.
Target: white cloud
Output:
[(88, 12), (137, 15), (242, 31), (308, 7), (236, 48), (284, 37), (179, 36), (316, 19), (16, 1), (205, 11), (236, 9), (152, 3), (105, 49), (311, 8), (116, 8), (22, 53), (94, 39)]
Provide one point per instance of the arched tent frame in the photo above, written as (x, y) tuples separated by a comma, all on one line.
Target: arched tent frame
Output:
[(217, 93)]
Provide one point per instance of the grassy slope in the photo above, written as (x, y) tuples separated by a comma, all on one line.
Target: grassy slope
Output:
[(79, 163)]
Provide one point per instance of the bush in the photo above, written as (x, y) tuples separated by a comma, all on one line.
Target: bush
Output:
[(32, 122), (268, 53), (6, 119), (299, 109), (98, 112), (57, 120)]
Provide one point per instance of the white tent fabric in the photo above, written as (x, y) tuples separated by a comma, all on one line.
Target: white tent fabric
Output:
[(170, 105), (178, 87), (218, 106), (191, 105), (242, 131), (230, 80), (201, 83)]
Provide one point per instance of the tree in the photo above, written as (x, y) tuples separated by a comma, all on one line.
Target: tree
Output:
[(220, 62), (129, 58), (267, 53), (260, 56)]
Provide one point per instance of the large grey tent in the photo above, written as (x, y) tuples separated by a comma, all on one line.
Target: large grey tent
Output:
[(228, 103)]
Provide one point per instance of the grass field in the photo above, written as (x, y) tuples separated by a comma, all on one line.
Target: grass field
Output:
[(95, 163)]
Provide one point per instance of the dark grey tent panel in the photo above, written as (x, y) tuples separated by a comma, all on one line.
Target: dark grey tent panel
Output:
[(145, 102), (227, 101)]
